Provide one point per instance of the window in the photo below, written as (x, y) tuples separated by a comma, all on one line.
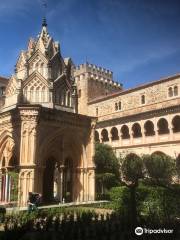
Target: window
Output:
[(175, 90), (170, 92), (143, 99), (79, 93), (118, 106)]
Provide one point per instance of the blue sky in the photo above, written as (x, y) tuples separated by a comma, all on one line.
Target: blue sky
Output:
[(139, 40)]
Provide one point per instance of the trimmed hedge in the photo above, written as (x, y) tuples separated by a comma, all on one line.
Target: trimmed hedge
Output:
[(153, 202)]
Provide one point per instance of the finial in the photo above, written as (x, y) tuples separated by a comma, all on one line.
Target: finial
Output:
[(44, 23), (44, 5)]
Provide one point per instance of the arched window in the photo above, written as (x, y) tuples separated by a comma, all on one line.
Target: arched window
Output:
[(143, 99), (114, 134), (96, 136), (170, 92), (175, 91), (125, 132), (136, 128), (149, 128), (176, 124), (116, 106), (163, 126), (104, 135)]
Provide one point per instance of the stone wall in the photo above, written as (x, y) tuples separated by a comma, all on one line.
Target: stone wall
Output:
[(93, 82), (156, 97)]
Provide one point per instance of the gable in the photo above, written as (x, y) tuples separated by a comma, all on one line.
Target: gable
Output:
[(35, 80), (11, 87)]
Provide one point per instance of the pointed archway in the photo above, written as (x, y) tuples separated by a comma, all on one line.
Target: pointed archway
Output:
[(48, 180)]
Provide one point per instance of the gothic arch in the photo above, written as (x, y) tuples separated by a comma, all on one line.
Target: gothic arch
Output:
[(7, 150), (35, 88)]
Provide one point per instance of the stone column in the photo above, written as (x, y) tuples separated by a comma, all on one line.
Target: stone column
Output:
[(120, 136), (143, 135), (29, 119), (109, 135), (156, 132), (171, 132), (60, 187), (91, 184), (131, 136)]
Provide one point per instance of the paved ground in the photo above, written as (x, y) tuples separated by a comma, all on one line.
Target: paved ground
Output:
[(14, 209)]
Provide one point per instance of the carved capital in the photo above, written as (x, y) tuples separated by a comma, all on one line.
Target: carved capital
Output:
[(29, 115)]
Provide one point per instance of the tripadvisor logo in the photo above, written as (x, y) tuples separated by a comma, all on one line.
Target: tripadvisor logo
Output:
[(139, 231)]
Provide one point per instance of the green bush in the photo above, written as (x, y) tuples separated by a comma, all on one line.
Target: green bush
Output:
[(2, 213), (159, 203), (153, 202), (120, 197)]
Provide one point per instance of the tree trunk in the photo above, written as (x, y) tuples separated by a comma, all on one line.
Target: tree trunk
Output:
[(133, 206)]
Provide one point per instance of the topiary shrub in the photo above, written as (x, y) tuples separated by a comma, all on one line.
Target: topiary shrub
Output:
[(120, 197)]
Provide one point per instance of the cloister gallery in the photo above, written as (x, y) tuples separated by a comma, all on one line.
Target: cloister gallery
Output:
[(52, 112)]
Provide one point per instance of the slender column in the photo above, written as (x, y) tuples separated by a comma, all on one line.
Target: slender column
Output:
[(131, 136), (171, 132), (170, 126), (156, 133), (143, 135), (61, 183), (120, 136), (109, 135)]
